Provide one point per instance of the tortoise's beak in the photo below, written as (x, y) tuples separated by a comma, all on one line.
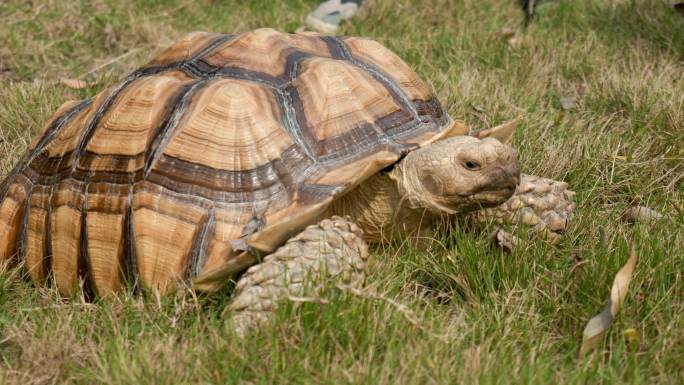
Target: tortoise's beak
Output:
[(499, 186), (508, 177)]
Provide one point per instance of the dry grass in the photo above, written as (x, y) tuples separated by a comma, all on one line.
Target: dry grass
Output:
[(510, 318)]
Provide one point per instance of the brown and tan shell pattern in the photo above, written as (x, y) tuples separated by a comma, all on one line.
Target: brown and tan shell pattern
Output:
[(220, 141)]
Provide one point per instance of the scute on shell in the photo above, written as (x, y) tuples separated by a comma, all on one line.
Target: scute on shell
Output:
[(150, 181)]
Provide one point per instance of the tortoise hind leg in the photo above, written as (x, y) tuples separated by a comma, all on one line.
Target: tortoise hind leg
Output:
[(332, 249)]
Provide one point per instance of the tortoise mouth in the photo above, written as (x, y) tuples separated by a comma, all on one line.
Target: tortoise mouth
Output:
[(465, 202), (492, 198), (494, 195)]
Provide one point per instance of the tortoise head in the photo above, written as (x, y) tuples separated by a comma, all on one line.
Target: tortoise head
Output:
[(458, 174)]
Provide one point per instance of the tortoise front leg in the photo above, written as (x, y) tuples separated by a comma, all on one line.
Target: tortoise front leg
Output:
[(543, 204), (332, 250)]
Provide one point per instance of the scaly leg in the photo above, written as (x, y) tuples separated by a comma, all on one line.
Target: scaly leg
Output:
[(332, 250), (543, 204)]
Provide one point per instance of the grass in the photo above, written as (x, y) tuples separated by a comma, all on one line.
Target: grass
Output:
[(510, 318)]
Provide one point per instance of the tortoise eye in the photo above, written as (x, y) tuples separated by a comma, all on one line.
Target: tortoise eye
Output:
[(472, 166)]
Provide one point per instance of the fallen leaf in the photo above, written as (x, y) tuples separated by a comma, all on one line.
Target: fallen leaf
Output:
[(73, 83), (7, 73), (568, 103), (598, 326), (110, 36), (641, 214), (505, 33), (516, 41), (505, 240), (478, 108)]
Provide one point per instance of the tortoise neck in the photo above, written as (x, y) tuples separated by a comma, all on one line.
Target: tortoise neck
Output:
[(377, 206)]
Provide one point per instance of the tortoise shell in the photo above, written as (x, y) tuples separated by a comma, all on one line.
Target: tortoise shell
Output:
[(219, 138)]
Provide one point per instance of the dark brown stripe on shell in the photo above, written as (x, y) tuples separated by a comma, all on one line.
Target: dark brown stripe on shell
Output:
[(256, 184), (48, 135), (281, 86), (121, 162), (53, 130), (27, 185), (188, 66), (209, 47), (340, 48), (260, 183), (129, 262), (356, 143), (296, 121), (89, 129), (198, 254), (212, 46), (431, 107), (202, 69), (424, 111), (115, 177), (292, 64), (44, 176), (289, 99), (118, 162), (85, 275), (161, 138), (47, 238), (313, 193), (55, 167), (22, 237)]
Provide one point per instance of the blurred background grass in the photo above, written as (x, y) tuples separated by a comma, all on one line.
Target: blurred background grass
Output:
[(510, 318)]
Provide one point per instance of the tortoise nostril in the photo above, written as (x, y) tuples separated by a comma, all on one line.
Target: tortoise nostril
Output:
[(471, 165)]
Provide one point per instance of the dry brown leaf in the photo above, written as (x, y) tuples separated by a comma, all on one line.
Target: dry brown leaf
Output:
[(7, 73), (641, 214), (506, 33), (516, 41), (73, 83), (110, 36), (568, 103), (505, 240), (598, 326)]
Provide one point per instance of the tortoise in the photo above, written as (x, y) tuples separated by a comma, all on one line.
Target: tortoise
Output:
[(223, 147)]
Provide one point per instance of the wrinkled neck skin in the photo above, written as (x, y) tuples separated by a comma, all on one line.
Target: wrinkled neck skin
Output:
[(384, 213)]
